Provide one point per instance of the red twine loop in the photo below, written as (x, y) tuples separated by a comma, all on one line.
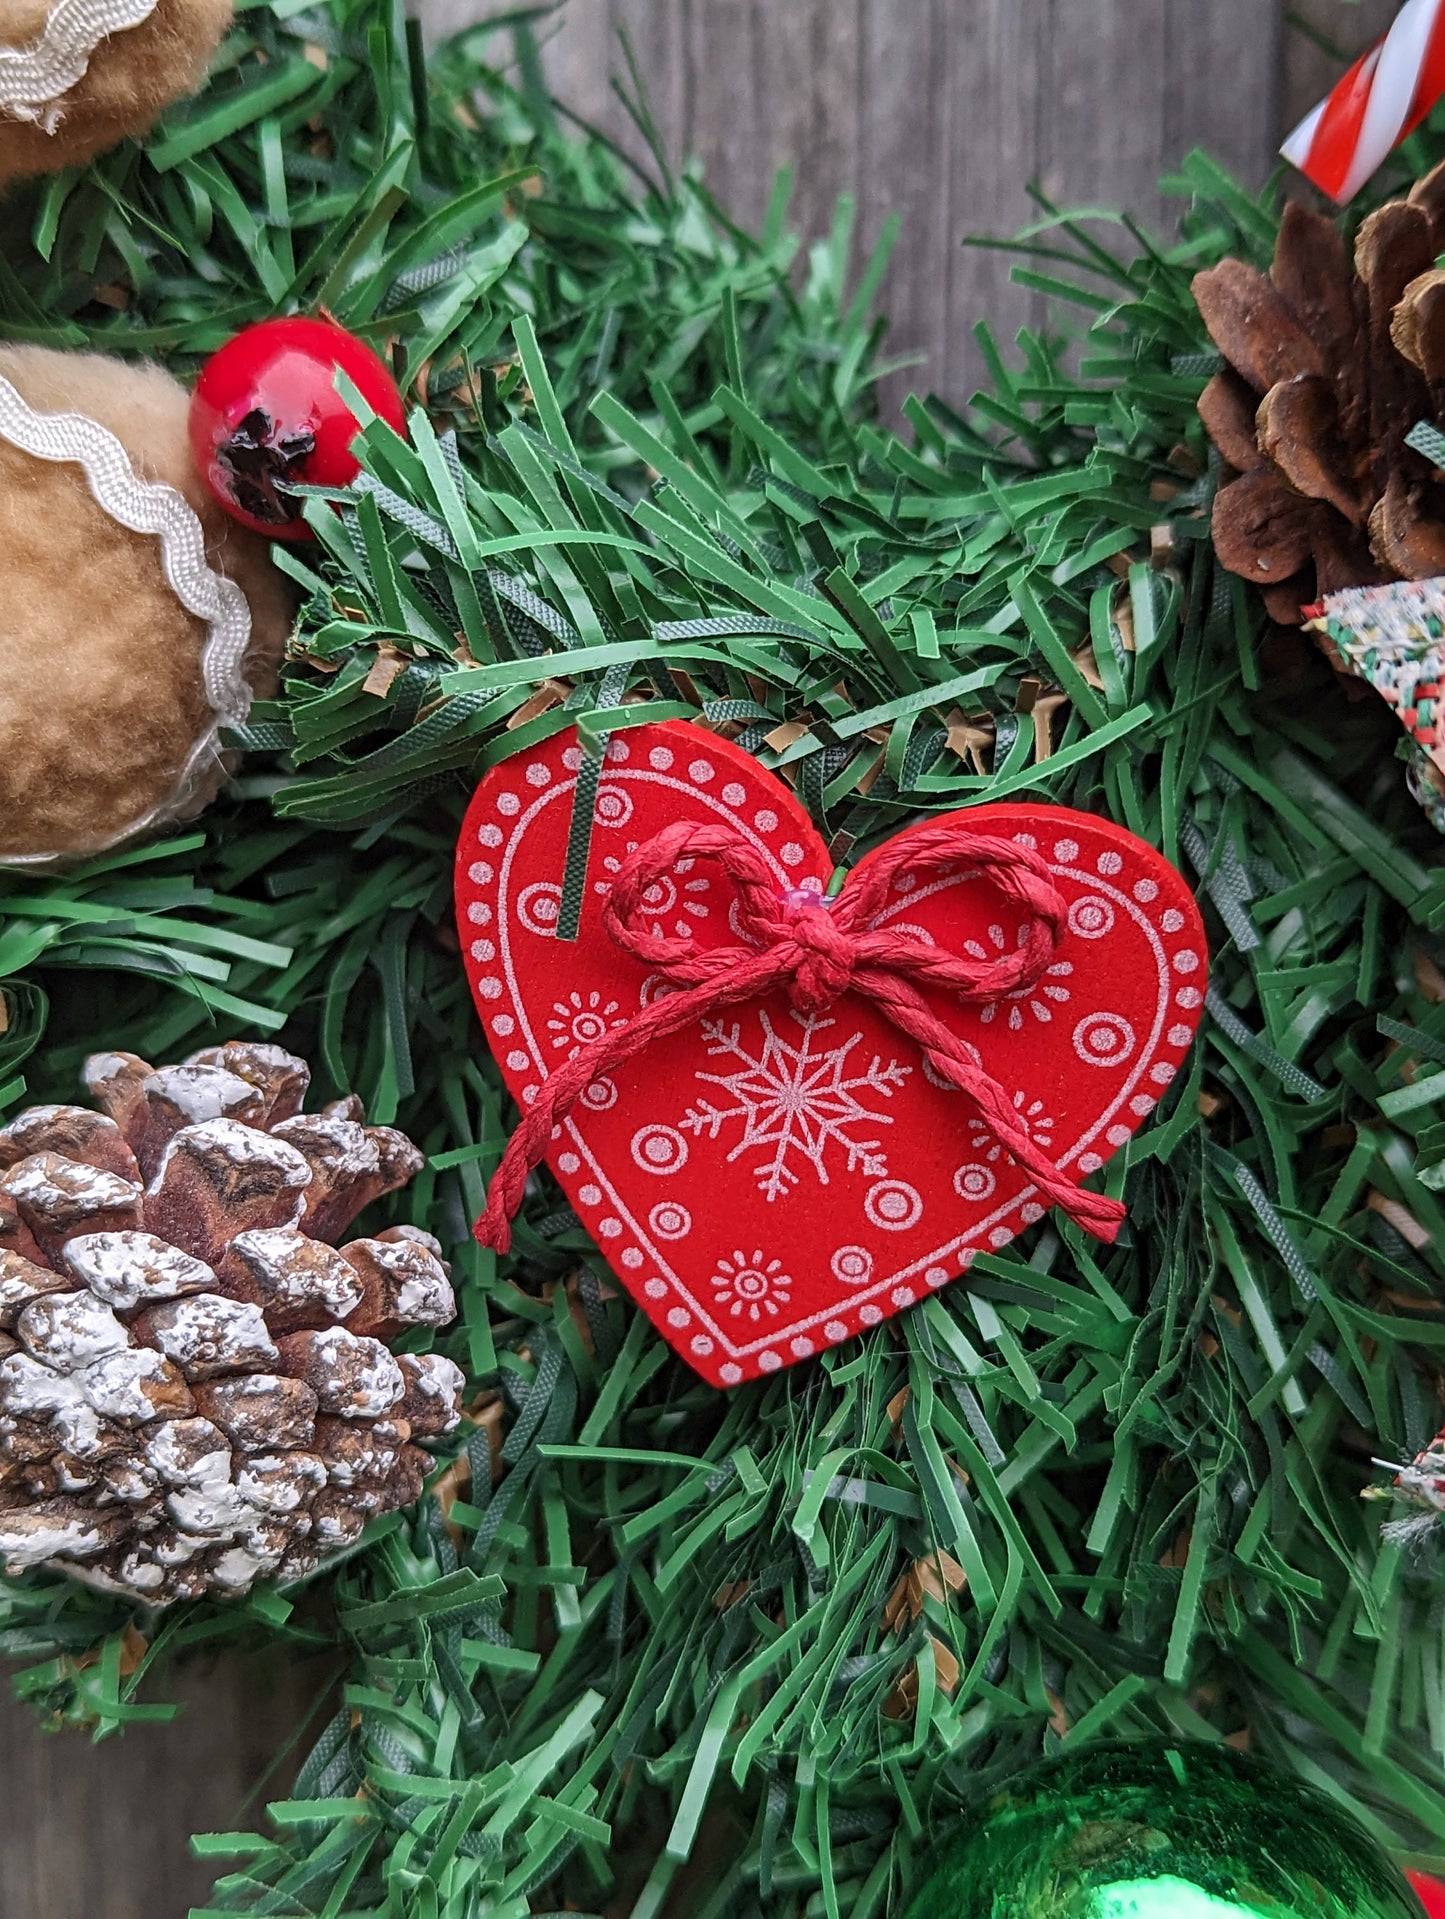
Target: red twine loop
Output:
[(815, 951)]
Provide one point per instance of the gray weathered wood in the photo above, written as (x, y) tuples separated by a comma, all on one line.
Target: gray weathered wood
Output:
[(940, 110), (103, 1831)]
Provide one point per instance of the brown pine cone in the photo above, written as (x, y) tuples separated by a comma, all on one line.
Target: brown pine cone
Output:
[(195, 1385), (1330, 366)]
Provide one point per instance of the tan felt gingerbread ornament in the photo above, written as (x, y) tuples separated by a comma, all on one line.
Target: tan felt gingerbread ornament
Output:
[(77, 76), (137, 619)]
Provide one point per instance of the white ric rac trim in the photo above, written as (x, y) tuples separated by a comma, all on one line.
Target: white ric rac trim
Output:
[(150, 507), (34, 78)]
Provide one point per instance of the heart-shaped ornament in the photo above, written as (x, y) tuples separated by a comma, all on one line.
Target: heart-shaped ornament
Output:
[(765, 1184)]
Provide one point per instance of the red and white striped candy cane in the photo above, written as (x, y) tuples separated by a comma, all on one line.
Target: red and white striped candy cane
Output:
[(1384, 96)]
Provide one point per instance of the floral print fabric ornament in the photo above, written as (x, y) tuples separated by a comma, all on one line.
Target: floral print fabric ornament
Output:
[(1394, 637)]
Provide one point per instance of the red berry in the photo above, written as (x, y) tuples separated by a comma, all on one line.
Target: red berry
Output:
[(1430, 1892), (266, 413)]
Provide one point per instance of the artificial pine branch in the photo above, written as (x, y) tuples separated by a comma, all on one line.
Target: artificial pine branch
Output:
[(640, 1630)]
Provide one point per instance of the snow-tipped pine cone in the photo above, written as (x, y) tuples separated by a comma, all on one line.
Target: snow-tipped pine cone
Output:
[(195, 1385)]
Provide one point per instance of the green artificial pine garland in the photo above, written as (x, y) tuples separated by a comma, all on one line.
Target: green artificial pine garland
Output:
[(671, 1651)]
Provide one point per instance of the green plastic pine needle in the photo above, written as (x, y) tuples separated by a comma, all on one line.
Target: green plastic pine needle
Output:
[(648, 1649)]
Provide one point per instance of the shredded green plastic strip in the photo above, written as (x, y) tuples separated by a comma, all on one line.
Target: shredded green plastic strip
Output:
[(668, 1651)]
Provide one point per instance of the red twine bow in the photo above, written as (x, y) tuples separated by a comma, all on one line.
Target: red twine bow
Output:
[(815, 950)]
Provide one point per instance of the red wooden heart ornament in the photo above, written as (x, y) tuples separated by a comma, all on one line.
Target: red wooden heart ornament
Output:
[(769, 1179)]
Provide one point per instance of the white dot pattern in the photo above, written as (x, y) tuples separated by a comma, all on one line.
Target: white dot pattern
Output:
[(1110, 911)]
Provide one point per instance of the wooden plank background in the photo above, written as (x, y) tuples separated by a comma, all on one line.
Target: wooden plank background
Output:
[(942, 110)]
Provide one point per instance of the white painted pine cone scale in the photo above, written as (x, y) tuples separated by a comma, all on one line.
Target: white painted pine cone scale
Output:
[(196, 1387)]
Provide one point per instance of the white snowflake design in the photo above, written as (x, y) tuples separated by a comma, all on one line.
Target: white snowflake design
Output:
[(1012, 1005), (1036, 1123), (751, 1286), (795, 1101), (577, 1021), (675, 892)]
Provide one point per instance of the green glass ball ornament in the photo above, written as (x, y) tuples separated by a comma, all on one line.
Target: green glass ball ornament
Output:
[(1162, 1832)]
